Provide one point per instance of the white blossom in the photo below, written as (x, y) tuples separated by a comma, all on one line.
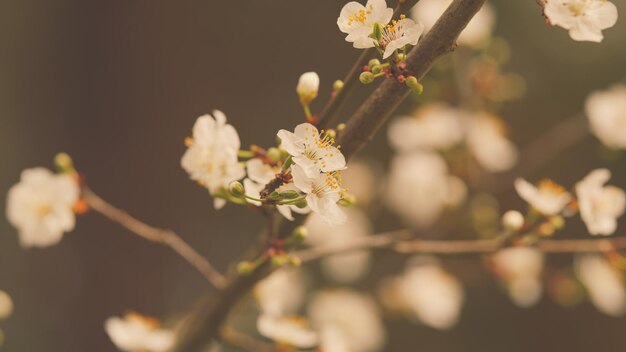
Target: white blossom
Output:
[(548, 198), (398, 34), (40, 206), (606, 111), (312, 152), (322, 194), (307, 87), (419, 188), (211, 158), (358, 21), (603, 282), (477, 31), (346, 321), (289, 330), (259, 175), (432, 294), (520, 268), (600, 205), (345, 267), (488, 143), (281, 293), (6, 305), (137, 333), (362, 178), (584, 19), (433, 126)]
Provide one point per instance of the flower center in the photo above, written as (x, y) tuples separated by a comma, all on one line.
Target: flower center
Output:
[(549, 187), (391, 32), (43, 210), (360, 16), (576, 9), (329, 184)]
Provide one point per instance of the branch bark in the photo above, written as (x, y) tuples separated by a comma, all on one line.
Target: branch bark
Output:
[(204, 324)]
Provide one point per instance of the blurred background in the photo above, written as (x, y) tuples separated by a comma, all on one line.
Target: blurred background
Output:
[(118, 85)]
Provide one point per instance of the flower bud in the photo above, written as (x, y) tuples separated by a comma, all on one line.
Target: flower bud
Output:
[(280, 260), (245, 268), (301, 204), (415, 86), (338, 85), (274, 154), (236, 189), (376, 69), (366, 77), (298, 235), (557, 221), (401, 57), (513, 220), (307, 88), (373, 62), (64, 163), (289, 194)]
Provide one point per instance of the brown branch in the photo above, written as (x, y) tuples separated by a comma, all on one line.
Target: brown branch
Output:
[(205, 323), (165, 237), (245, 342)]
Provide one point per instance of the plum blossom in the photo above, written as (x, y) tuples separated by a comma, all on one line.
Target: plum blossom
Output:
[(346, 321), (358, 21), (606, 111), (433, 126), (287, 330), (211, 157), (137, 333), (346, 267), (322, 194), (311, 151), (260, 174), (40, 206), (584, 19), (548, 198), (487, 140), (419, 188), (477, 31), (520, 268), (603, 282), (432, 294), (398, 34), (600, 205)]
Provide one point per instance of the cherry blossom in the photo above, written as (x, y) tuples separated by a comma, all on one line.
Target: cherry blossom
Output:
[(606, 111), (358, 21), (137, 333), (520, 268), (600, 205), (322, 194), (584, 19), (548, 198), (603, 282), (398, 34)]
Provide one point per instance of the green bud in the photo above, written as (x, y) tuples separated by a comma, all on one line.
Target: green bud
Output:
[(236, 189), (294, 261), (415, 86), (401, 57), (274, 154), (373, 62), (376, 69), (558, 222), (280, 260), (290, 194), (64, 163), (366, 77), (298, 235), (338, 85), (301, 204), (245, 268)]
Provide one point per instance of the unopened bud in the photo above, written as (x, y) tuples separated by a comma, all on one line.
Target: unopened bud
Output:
[(376, 69), (274, 195), (415, 86), (557, 221), (513, 220), (245, 268), (64, 163), (338, 85), (280, 260), (289, 194), (401, 57), (373, 62), (366, 77), (546, 229), (307, 87), (236, 189), (298, 235), (301, 204), (274, 154)]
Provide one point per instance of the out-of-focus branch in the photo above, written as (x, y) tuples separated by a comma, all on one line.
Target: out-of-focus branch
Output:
[(245, 342), (397, 241), (165, 237), (205, 323)]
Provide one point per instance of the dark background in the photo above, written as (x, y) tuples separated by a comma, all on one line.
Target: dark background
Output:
[(118, 85)]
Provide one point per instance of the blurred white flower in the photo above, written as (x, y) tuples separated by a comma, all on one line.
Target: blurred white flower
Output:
[(606, 111), (211, 157), (40, 206), (548, 198), (433, 295), (345, 267), (347, 321), (312, 152), (259, 175), (477, 31), (433, 126), (584, 19), (362, 178), (287, 330), (307, 87), (398, 34), (358, 21), (520, 268), (6, 305), (137, 333), (603, 282), (419, 187), (488, 143), (322, 194), (281, 293), (600, 205)]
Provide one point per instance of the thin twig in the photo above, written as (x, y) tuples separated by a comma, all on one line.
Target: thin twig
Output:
[(165, 237)]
